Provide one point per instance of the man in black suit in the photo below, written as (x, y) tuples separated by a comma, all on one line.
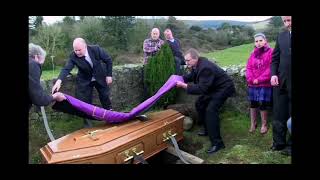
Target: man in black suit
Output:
[(281, 80), (214, 87), (37, 95), (91, 73)]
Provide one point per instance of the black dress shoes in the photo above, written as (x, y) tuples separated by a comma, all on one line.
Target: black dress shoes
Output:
[(215, 148)]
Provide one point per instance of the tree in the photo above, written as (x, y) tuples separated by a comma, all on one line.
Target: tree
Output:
[(195, 28), (224, 26), (51, 39), (91, 29), (118, 27), (158, 70), (274, 28), (38, 21), (34, 23), (177, 27), (137, 35), (82, 18), (276, 21), (69, 20)]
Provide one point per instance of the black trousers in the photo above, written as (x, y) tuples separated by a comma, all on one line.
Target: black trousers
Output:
[(282, 112), (208, 112), (85, 93)]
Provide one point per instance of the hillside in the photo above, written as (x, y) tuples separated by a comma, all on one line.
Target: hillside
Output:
[(237, 55), (260, 25)]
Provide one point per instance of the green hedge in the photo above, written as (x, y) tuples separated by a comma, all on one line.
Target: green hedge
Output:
[(158, 70)]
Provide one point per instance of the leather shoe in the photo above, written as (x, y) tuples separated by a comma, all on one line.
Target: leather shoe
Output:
[(202, 133), (215, 148), (277, 148)]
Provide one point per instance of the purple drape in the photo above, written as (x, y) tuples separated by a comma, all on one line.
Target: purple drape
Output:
[(116, 117)]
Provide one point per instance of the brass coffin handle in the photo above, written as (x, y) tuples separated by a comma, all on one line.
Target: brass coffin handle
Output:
[(166, 136), (129, 157)]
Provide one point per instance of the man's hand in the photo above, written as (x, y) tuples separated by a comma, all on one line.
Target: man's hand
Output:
[(182, 85), (58, 96), (109, 80), (56, 86), (255, 81), (274, 81)]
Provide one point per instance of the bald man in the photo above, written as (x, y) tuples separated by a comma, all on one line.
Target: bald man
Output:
[(152, 45), (91, 73)]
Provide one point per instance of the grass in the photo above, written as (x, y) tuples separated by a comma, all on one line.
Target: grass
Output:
[(50, 74), (242, 147), (237, 55)]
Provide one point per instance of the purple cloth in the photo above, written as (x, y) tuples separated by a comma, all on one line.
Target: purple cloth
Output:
[(116, 117)]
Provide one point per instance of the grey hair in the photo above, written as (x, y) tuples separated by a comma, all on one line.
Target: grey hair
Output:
[(155, 29), (36, 50), (260, 34), (193, 53)]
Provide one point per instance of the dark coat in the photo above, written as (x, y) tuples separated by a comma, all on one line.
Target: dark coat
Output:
[(209, 79), (85, 71), (37, 95), (281, 60)]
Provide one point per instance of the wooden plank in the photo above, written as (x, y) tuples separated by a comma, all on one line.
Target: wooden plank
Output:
[(188, 157)]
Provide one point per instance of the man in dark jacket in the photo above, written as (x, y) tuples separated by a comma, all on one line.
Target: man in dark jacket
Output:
[(37, 95), (175, 46), (281, 80), (214, 87), (91, 73)]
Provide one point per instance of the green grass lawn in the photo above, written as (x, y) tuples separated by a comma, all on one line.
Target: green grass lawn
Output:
[(242, 147), (50, 74), (237, 55)]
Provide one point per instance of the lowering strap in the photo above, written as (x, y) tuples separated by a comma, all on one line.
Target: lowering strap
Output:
[(140, 159), (176, 148), (46, 125)]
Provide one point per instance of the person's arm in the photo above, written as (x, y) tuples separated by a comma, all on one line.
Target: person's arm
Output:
[(66, 69), (206, 78), (63, 74), (266, 75), (36, 93), (107, 60), (275, 59), (147, 48), (275, 64), (249, 70)]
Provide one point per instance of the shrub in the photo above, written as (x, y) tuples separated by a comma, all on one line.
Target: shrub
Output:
[(159, 68)]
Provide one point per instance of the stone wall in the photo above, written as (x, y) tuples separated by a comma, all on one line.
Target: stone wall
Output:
[(127, 89)]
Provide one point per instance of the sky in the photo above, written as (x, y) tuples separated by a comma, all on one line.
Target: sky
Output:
[(53, 19)]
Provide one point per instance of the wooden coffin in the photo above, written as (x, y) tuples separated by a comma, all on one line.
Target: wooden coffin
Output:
[(116, 144)]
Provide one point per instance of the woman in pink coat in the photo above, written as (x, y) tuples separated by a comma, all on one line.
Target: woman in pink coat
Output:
[(258, 77)]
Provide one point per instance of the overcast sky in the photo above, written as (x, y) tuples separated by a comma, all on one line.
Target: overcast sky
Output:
[(52, 19)]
